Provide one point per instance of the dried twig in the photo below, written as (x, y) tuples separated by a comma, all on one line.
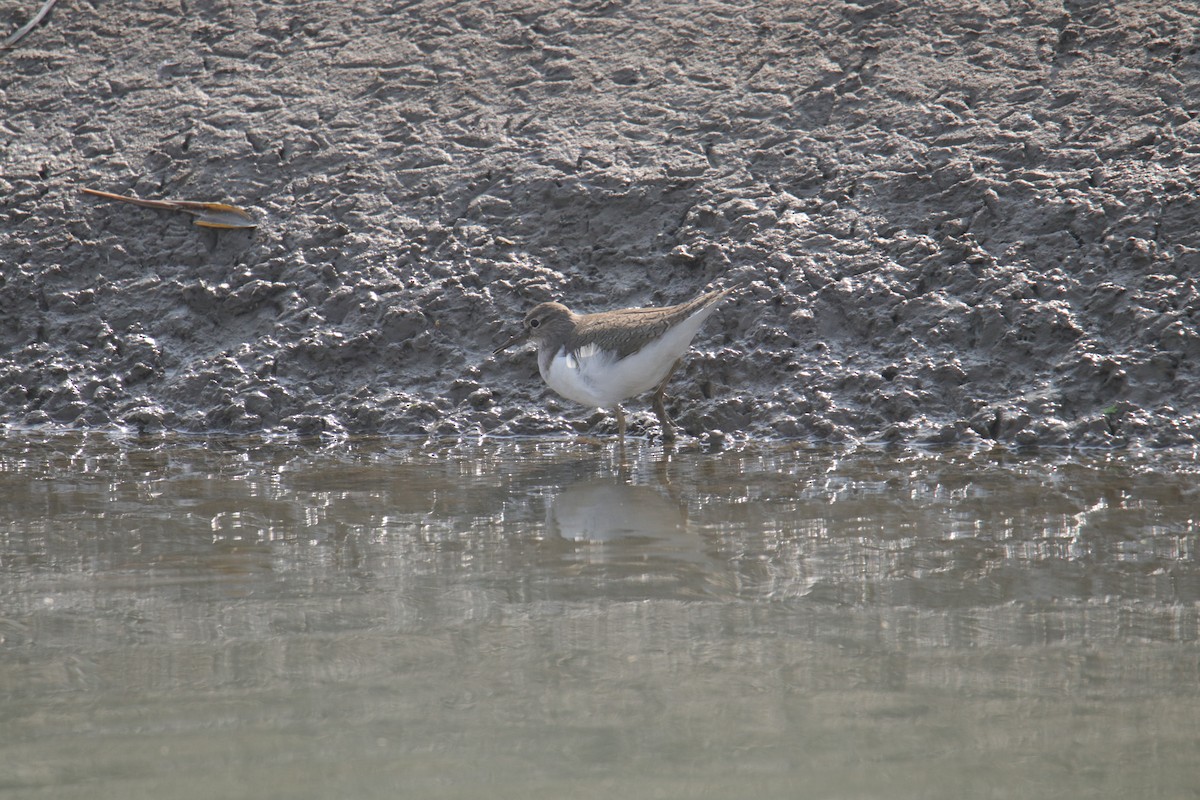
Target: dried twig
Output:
[(28, 26)]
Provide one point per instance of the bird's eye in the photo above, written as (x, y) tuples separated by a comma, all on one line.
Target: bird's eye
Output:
[(533, 323)]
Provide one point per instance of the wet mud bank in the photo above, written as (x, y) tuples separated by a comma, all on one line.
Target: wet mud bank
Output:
[(951, 222)]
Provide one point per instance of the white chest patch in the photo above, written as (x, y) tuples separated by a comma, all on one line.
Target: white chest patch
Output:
[(595, 377)]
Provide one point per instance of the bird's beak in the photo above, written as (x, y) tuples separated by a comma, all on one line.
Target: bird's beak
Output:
[(520, 337)]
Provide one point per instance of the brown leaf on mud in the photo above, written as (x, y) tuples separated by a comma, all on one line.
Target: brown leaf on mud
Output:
[(207, 215)]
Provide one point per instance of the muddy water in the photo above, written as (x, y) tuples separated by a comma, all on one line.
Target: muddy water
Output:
[(513, 619)]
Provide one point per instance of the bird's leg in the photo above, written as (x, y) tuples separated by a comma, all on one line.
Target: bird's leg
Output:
[(668, 427), (620, 423)]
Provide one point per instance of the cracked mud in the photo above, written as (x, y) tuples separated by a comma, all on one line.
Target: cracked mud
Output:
[(952, 222)]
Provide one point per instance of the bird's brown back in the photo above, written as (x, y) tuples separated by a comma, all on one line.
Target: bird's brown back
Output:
[(637, 326)]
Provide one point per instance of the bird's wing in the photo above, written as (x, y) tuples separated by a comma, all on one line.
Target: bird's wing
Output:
[(641, 325)]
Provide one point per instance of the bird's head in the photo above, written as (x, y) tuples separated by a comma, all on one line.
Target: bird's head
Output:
[(545, 322)]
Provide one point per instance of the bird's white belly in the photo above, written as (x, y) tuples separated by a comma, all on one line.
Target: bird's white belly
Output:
[(596, 377)]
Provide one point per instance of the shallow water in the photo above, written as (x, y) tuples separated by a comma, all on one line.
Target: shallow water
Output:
[(515, 619)]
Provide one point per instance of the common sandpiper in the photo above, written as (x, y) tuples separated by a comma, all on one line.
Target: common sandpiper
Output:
[(603, 359)]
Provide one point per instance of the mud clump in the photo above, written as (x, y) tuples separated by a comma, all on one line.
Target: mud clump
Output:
[(952, 222)]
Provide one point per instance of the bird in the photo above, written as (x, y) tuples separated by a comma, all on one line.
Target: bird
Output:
[(603, 359)]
